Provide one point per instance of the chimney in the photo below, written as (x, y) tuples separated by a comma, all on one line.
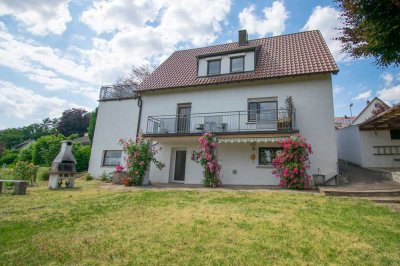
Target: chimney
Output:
[(368, 102), (243, 38)]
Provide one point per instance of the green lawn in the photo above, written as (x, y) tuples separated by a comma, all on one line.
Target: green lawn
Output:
[(92, 226)]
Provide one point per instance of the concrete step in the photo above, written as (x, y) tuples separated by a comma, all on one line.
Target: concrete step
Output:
[(360, 193), (385, 199)]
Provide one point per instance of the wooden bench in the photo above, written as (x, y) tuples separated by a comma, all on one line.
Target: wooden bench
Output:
[(19, 186)]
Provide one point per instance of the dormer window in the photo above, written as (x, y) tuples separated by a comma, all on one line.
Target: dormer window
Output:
[(237, 64), (214, 67)]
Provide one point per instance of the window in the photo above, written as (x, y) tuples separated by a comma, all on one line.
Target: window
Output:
[(395, 134), (112, 158), (237, 64), (267, 155), (259, 110), (214, 67)]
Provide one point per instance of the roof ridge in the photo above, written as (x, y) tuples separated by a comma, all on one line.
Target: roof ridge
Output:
[(256, 39)]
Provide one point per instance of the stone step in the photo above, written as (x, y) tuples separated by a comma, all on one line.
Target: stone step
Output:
[(385, 199), (360, 193)]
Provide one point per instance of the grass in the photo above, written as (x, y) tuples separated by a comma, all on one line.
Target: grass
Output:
[(92, 226)]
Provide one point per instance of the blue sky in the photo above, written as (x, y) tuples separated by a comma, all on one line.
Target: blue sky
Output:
[(56, 54)]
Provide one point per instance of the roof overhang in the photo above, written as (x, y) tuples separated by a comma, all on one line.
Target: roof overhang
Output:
[(387, 120)]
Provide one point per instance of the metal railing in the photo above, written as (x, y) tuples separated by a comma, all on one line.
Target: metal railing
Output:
[(235, 121), (117, 92)]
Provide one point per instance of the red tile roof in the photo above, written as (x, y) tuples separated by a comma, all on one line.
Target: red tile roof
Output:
[(280, 56)]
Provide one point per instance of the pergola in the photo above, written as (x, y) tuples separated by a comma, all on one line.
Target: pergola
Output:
[(387, 120)]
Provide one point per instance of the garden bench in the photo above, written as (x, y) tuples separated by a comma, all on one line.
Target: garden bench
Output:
[(19, 186)]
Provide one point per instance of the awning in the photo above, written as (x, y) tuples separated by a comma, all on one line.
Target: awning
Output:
[(251, 139)]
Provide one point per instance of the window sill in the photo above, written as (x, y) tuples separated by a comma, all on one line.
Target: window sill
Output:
[(264, 166)]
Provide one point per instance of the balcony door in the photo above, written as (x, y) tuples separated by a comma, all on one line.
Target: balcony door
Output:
[(183, 117), (180, 165), (264, 113)]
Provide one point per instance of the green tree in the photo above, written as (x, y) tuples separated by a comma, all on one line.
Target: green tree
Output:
[(82, 156), (372, 28), (25, 154), (73, 121), (92, 125)]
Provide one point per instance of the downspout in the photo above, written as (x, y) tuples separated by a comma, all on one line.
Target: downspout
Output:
[(140, 104)]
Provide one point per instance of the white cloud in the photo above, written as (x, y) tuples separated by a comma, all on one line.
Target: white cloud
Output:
[(390, 95), (337, 89), (273, 20), (38, 16), (327, 20), (135, 41), (363, 95), (28, 106), (388, 78)]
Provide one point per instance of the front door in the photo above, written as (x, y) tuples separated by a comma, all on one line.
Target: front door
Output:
[(183, 124), (180, 165)]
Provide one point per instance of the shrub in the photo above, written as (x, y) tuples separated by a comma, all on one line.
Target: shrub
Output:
[(46, 148), (25, 154), (88, 177), (9, 157), (43, 174), (208, 144), (105, 177), (139, 156), (25, 171), (82, 156), (292, 163)]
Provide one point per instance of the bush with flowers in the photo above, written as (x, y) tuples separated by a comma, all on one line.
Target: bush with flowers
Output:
[(26, 171), (208, 144), (139, 155), (291, 164)]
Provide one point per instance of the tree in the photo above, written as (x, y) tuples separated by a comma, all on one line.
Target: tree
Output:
[(372, 28), (73, 121), (135, 76), (46, 148), (92, 125)]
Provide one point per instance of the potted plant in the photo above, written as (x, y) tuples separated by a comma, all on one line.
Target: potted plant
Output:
[(319, 179), (127, 181), (119, 168)]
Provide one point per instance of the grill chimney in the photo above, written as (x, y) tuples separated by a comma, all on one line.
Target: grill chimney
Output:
[(243, 38)]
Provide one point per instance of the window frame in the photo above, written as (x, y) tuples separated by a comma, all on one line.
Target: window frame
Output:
[(276, 149), (236, 57), (104, 158), (258, 102), (208, 67)]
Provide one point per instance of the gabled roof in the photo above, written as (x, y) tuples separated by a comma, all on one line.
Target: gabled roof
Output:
[(371, 103), (280, 56)]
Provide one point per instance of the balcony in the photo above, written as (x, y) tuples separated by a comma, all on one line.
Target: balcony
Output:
[(266, 121), (117, 92)]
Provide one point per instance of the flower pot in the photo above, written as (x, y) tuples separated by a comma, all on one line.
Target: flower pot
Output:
[(319, 180), (127, 182), (119, 168)]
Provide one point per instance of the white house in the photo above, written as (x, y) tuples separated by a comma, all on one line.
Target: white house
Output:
[(242, 92), (373, 140)]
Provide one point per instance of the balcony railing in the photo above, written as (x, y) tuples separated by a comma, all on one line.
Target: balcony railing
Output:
[(117, 92), (235, 121)]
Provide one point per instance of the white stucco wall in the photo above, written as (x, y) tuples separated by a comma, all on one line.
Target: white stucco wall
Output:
[(115, 120), (349, 146), (225, 62), (369, 139), (312, 98)]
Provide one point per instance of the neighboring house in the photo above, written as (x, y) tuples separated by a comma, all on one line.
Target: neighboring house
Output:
[(341, 122), (83, 140), (242, 92), (373, 140), (23, 144)]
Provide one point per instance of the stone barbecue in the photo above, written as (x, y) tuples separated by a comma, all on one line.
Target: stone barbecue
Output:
[(63, 168)]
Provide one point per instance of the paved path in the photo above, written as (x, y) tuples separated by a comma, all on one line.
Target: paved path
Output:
[(367, 179)]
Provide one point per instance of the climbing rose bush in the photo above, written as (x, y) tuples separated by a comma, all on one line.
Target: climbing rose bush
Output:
[(292, 163), (208, 144), (139, 155)]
